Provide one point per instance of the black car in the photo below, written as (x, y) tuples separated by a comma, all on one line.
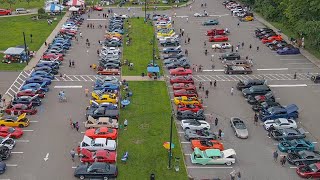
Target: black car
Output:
[(5, 153), (102, 112), (174, 65), (257, 99), (303, 157), (173, 55), (248, 83), (230, 56), (256, 90), (96, 170), (170, 43), (47, 69), (35, 100), (267, 35), (191, 115), (265, 105), (278, 46), (315, 78), (287, 134)]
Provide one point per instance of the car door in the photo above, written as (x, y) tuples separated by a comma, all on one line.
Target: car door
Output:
[(300, 147), (9, 122)]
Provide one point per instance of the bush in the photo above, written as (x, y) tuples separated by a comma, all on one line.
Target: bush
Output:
[(41, 11)]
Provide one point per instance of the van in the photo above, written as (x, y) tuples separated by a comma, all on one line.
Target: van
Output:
[(22, 11)]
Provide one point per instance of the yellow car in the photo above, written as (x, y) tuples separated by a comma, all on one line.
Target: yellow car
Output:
[(111, 98), (186, 100), (15, 121), (164, 26), (113, 34), (247, 18), (166, 33)]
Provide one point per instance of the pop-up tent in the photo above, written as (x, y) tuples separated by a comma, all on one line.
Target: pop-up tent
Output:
[(15, 54), (75, 3), (73, 9), (54, 8)]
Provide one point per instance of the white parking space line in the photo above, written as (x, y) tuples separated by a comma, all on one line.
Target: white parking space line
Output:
[(278, 77), (89, 78), (289, 85), (195, 78), (224, 78), (314, 142), (293, 59), (218, 15), (201, 79), (293, 167), (208, 77), (232, 77), (97, 19), (70, 79), (83, 78), (34, 121), (77, 78), (187, 154), (303, 68), (218, 78), (74, 167), (300, 63), (218, 70), (16, 152), (27, 130), (67, 87), (199, 167), (181, 132), (204, 77), (12, 165), (207, 70), (20, 140), (273, 69), (4, 179), (185, 142)]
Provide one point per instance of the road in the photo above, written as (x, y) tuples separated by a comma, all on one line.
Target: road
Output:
[(32, 11)]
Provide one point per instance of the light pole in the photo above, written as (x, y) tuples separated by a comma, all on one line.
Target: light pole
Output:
[(145, 11), (30, 38), (153, 49), (25, 46), (170, 148)]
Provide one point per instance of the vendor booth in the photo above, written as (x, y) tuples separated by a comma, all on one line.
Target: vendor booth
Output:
[(15, 54), (76, 3), (54, 8), (153, 72)]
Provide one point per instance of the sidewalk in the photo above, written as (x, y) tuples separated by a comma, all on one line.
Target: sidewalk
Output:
[(140, 78), (43, 48), (305, 53)]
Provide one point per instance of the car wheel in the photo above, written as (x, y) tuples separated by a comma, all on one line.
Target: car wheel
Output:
[(186, 128), (236, 134), (81, 177), (205, 128), (289, 151), (245, 73), (105, 178), (229, 163), (230, 73)]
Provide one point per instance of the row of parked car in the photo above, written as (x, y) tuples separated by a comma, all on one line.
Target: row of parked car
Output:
[(280, 122), (31, 94), (238, 11)]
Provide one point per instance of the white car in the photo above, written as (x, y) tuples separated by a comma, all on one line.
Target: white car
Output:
[(98, 144), (280, 123), (7, 141), (111, 49), (200, 14), (194, 124), (222, 46), (163, 23), (172, 38), (69, 26), (123, 16), (22, 11)]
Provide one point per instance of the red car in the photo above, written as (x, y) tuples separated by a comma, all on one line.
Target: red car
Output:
[(181, 79), (214, 32), (5, 12), (272, 38), (68, 31), (189, 107), (184, 92), (180, 71), (21, 108), (178, 86), (98, 156), (309, 171), (52, 56), (14, 132), (218, 38), (31, 93), (102, 132), (97, 8)]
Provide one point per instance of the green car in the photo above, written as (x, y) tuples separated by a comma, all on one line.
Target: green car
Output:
[(213, 156), (210, 22)]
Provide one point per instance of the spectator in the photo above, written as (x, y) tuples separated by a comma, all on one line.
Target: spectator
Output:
[(275, 155), (73, 154), (232, 91), (216, 121)]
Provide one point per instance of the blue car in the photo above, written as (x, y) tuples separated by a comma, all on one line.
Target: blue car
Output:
[(39, 80), (106, 86), (120, 31), (61, 40), (295, 145), (53, 65), (42, 74), (288, 51), (108, 106), (36, 87), (47, 69), (63, 46), (288, 112), (172, 50), (3, 167)]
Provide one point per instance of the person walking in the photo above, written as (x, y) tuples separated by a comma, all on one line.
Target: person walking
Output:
[(190, 7), (238, 24), (187, 20), (86, 92), (295, 75), (216, 121), (203, 88), (237, 48), (80, 34), (212, 57), (186, 52), (205, 43), (210, 83), (45, 43), (70, 63), (215, 83), (207, 93), (231, 91), (255, 119), (196, 68), (231, 48), (239, 175), (283, 160), (73, 154), (242, 44), (188, 40), (220, 134), (77, 126), (250, 46), (200, 85), (275, 155), (257, 48)]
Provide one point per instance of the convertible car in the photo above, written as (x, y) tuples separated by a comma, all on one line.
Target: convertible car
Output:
[(206, 144), (213, 156), (214, 32), (189, 107), (181, 79), (31, 93), (210, 22), (311, 171), (199, 134), (177, 86), (186, 100), (20, 109), (11, 132), (218, 38), (180, 72), (239, 128), (102, 132), (184, 92)]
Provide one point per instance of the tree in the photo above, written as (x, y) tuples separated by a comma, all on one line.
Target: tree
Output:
[(10, 2), (28, 1)]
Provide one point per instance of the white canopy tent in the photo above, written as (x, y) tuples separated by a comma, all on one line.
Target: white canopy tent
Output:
[(75, 3), (54, 8), (73, 9)]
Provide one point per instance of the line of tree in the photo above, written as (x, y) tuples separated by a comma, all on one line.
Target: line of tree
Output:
[(301, 16)]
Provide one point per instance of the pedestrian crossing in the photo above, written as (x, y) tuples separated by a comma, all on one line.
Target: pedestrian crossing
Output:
[(78, 78), (268, 77)]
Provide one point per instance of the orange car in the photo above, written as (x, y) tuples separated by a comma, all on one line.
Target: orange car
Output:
[(207, 144), (272, 38), (102, 132)]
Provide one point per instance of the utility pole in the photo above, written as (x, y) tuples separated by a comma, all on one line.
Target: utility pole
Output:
[(153, 50), (145, 11)]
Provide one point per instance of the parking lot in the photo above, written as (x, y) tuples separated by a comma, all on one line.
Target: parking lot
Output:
[(254, 155)]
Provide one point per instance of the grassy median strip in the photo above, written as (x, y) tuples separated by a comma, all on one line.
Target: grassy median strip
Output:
[(139, 52), (12, 28), (148, 118)]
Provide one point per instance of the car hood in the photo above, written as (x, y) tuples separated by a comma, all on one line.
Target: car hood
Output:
[(242, 132), (246, 91), (81, 169), (229, 152)]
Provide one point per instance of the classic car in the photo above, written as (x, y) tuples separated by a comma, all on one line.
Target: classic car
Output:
[(265, 105), (94, 105), (173, 55), (11, 132), (113, 43), (288, 51), (231, 69), (253, 100), (170, 43), (101, 122), (230, 56), (96, 170), (108, 72), (189, 107), (31, 93), (315, 78), (179, 64), (206, 144), (54, 64), (18, 109), (97, 8), (255, 90), (102, 98), (181, 79), (42, 74), (186, 100), (200, 14), (295, 145), (289, 111), (246, 18), (7, 142), (199, 134), (38, 79), (35, 100), (188, 114), (224, 45), (272, 38), (102, 112), (102, 132), (5, 12), (194, 124), (177, 86), (180, 72), (97, 144), (106, 156), (218, 38), (5, 153), (15, 121), (248, 83), (106, 85), (173, 60), (50, 56), (303, 157), (47, 69), (184, 92), (310, 171), (210, 22), (213, 156), (214, 32), (239, 128), (172, 50), (280, 123), (39, 88), (287, 134)]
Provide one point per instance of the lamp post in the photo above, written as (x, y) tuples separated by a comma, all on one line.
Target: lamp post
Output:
[(145, 11), (30, 38), (153, 49), (25, 46), (170, 149)]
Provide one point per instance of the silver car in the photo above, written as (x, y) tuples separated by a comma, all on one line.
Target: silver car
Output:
[(239, 128)]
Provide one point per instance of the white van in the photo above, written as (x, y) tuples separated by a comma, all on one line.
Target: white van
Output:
[(22, 11)]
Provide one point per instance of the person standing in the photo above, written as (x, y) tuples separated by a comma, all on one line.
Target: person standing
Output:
[(71, 123), (188, 40), (255, 119), (283, 160), (215, 83), (207, 93), (190, 7), (231, 48), (232, 91), (186, 52), (70, 63), (257, 48), (125, 123), (295, 75), (237, 48), (275, 155), (77, 126), (239, 175), (250, 46), (205, 43), (80, 34), (220, 134), (187, 20), (210, 83), (86, 91), (73, 154), (216, 121), (242, 44)]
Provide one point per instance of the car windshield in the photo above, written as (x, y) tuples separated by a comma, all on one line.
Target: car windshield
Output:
[(277, 121), (11, 130), (293, 143), (313, 167), (241, 126), (97, 131)]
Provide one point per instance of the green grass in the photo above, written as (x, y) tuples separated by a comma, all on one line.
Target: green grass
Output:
[(148, 118), (12, 28), (140, 50), (23, 4), (10, 67)]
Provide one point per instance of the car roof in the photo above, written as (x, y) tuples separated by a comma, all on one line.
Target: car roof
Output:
[(306, 153), (100, 140), (213, 152), (283, 120)]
